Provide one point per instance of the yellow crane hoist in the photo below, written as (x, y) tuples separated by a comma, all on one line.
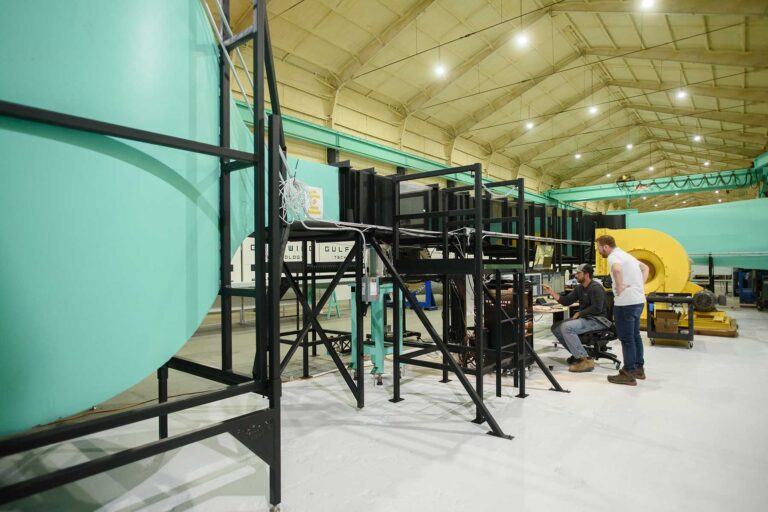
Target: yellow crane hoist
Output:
[(670, 272)]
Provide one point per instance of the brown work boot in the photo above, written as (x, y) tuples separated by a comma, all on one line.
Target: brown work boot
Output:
[(582, 365), (639, 373), (624, 377)]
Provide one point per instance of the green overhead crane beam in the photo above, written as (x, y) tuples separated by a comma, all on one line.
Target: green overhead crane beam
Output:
[(722, 180), (298, 129)]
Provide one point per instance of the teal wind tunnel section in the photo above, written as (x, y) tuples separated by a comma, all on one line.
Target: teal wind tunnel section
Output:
[(109, 255), (736, 234)]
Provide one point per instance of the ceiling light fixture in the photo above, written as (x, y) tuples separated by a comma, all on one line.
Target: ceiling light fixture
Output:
[(630, 146), (717, 191), (647, 5), (593, 109), (608, 175), (681, 94), (677, 193), (650, 169), (577, 156), (684, 202), (706, 163), (719, 200), (644, 198), (440, 70), (521, 39), (697, 138), (529, 125)]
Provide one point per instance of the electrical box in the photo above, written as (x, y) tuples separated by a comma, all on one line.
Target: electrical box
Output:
[(370, 289)]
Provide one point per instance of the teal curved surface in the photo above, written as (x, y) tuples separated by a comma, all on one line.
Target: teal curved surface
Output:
[(108, 248)]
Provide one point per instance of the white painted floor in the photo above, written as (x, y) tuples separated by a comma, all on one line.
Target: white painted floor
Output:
[(691, 437)]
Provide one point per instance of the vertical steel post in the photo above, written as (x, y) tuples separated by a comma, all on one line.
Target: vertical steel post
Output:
[(446, 282), (498, 330), (259, 193), (520, 290), (314, 295), (162, 396), (358, 355), (275, 276), (225, 244), (478, 289), (396, 305), (305, 289)]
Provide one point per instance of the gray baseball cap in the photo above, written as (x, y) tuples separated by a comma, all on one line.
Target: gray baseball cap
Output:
[(586, 268)]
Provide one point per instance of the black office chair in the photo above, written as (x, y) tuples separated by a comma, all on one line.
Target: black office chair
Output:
[(596, 342)]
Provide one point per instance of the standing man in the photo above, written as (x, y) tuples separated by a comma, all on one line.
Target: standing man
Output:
[(629, 276), (591, 317)]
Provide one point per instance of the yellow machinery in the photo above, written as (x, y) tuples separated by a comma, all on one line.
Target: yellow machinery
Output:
[(670, 272)]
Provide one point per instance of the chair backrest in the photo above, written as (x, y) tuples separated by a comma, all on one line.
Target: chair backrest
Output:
[(609, 306)]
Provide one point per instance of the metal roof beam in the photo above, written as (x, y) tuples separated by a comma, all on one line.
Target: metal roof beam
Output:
[(723, 92), (421, 99), (503, 141), (367, 54), (748, 138), (505, 99), (727, 117), (696, 7), (750, 59), (699, 146)]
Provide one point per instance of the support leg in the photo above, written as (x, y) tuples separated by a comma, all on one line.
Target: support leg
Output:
[(162, 396)]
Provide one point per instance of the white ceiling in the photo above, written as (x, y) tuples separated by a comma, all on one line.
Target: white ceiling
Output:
[(627, 63)]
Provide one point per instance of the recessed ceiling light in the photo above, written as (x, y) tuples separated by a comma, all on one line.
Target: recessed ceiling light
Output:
[(608, 175), (630, 146), (717, 191), (719, 200), (593, 109), (529, 125), (681, 94), (685, 202), (521, 39), (677, 193), (644, 198), (440, 70), (697, 138), (655, 205), (706, 163), (577, 156), (647, 5), (650, 168)]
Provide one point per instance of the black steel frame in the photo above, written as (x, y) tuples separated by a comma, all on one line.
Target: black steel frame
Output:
[(455, 209), (259, 430)]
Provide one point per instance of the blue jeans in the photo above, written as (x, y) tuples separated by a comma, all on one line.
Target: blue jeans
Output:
[(627, 319), (567, 333)]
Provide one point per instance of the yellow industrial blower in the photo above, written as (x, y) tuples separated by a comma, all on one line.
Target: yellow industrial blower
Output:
[(670, 272)]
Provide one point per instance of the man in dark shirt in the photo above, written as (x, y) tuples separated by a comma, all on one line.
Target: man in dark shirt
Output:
[(591, 316)]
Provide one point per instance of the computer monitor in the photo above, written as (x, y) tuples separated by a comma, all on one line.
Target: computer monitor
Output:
[(544, 257)]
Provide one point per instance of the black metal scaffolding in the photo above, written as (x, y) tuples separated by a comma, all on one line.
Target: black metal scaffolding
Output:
[(258, 430)]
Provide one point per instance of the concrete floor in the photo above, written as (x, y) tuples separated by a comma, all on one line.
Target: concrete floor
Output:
[(691, 437)]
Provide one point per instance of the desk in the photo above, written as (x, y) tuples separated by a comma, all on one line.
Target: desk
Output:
[(557, 311)]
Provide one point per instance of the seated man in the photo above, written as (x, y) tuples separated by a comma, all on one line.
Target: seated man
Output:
[(591, 316)]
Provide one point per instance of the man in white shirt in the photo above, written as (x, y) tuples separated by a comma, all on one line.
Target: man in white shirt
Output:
[(629, 276)]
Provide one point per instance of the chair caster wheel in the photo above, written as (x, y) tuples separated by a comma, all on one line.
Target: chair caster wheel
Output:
[(690, 345), (653, 341)]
